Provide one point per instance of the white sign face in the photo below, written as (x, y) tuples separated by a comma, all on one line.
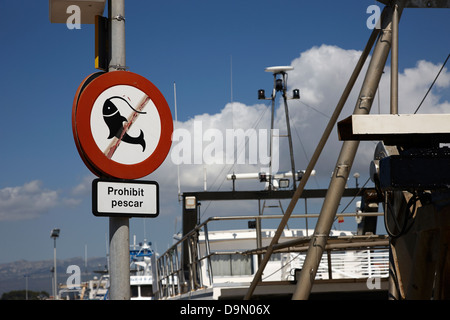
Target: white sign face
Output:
[(125, 124), (114, 198)]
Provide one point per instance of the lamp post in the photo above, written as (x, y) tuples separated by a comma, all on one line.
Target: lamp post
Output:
[(54, 234), (26, 286)]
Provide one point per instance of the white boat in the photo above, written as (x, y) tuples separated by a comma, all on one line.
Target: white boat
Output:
[(97, 288), (223, 263), (141, 280), (205, 264), (93, 289)]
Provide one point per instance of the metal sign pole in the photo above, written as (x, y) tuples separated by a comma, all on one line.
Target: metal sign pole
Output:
[(119, 240)]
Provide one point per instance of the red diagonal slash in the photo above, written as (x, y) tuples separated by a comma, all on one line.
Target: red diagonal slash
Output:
[(109, 152)]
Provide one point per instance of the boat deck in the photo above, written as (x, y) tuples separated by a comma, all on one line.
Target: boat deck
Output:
[(221, 265)]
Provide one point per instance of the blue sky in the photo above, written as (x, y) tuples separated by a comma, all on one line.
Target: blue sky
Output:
[(203, 46)]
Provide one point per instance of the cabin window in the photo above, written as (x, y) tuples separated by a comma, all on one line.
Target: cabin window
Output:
[(147, 291), (134, 291), (231, 265)]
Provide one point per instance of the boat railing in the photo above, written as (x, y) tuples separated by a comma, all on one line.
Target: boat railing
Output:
[(187, 265), (352, 264)]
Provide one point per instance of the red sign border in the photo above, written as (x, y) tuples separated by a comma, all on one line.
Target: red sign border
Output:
[(93, 157), (81, 87)]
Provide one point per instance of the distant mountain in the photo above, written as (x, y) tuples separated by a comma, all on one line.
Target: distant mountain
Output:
[(14, 275)]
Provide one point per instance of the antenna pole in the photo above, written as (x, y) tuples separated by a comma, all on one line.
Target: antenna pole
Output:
[(274, 92), (231, 78), (288, 125)]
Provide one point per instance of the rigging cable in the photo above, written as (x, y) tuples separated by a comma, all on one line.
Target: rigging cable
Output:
[(429, 89), (351, 201), (412, 203), (317, 110), (232, 166), (304, 151), (409, 215)]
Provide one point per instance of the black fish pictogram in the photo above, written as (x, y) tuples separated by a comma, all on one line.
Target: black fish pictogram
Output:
[(114, 120)]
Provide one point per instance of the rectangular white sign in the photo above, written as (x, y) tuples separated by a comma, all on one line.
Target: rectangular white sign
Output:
[(125, 198)]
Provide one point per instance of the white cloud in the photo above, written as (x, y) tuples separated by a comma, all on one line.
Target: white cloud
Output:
[(30, 201), (84, 187), (27, 201), (195, 138), (321, 74), (415, 82)]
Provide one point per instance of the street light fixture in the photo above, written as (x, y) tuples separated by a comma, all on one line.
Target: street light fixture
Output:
[(54, 234)]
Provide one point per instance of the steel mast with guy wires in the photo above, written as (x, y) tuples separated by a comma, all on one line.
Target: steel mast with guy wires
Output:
[(280, 85)]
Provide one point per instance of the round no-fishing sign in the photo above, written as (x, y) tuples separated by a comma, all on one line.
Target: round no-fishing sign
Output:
[(122, 125)]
